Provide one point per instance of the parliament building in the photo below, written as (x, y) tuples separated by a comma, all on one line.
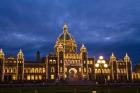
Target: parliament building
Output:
[(66, 63)]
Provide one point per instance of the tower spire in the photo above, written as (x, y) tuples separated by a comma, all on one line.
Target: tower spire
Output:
[(20, 54), (126, 57), (65, 28), (112, 54), (112, 57), (1, 53)]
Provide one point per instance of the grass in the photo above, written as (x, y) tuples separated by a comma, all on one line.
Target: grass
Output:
[(69, 89)]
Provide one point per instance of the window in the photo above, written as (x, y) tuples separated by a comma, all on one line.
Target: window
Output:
[(66, 69), (89, 70), (32, 70), (32, 77), (84, 62), (28, 77), (99, 70), (118, 70), (36, 70), (43, 70), (52, 69), (61, 70), (90, 62), (85, 70), (103, 70), (40, 77), (14, 77), (36, 77), (52, 76), (79, 69), (40, 70)]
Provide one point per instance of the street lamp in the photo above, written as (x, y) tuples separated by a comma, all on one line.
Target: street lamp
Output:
[(101, 64)]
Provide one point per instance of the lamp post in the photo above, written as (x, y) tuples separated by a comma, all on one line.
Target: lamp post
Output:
[(101, 65)]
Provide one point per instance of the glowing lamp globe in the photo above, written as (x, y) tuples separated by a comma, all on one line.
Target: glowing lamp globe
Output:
[(105, 65), (99, 61), (96, 65), (101, 57), (103, 61)]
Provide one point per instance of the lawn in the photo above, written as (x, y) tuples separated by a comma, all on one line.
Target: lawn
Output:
[(69, 89)]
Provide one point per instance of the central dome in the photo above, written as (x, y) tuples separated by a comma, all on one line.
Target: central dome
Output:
[(66, 40), (65, 35)]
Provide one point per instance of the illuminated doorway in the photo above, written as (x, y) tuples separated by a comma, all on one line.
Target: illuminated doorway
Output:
[(72, 74)]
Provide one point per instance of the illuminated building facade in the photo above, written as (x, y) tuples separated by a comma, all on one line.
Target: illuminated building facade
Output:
[(66, 63)]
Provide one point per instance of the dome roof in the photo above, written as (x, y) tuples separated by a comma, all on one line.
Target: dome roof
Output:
[(65, 35), (66, 40)]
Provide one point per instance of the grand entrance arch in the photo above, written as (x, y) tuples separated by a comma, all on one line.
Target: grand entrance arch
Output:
[(73, 74)]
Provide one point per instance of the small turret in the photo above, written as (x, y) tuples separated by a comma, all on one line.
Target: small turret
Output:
[(20, 54), (83, 48), (126, 58), (1, 54), (112, 57)]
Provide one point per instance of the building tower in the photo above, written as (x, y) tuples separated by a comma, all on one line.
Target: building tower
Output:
[(128, 67), (83, 53), (2, 59), (20, 65), (113, 67), (60, 57)]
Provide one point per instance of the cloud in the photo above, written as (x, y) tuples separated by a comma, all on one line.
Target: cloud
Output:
[(35, 25)]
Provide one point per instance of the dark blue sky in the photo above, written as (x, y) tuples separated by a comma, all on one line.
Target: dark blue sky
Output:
[(104, 26)]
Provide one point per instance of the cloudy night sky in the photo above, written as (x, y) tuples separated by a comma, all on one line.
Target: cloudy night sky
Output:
[(104, 26)]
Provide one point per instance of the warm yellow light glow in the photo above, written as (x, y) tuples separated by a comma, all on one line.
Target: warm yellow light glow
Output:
[(96, 65), (52, 76), (99, 61), (14, 77), (105, 65), (36, 77), (103, 61), (32, 77), (28, 77), (101, 57), (40, 77)]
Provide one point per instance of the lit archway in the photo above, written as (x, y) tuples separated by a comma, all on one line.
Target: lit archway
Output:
[(73, 69), (72, 74)]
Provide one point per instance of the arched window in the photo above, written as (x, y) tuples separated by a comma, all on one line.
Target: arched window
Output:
[(61, 69), (118, 70), (36, 70), (44, 70), (89, 70), (99, 70), (32, 70), (79, 69), (85, 70), (52, 69)]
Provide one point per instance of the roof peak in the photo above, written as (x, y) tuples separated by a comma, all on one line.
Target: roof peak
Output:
[(126, 55), (65, 28), (112, 54), (1, 51)]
